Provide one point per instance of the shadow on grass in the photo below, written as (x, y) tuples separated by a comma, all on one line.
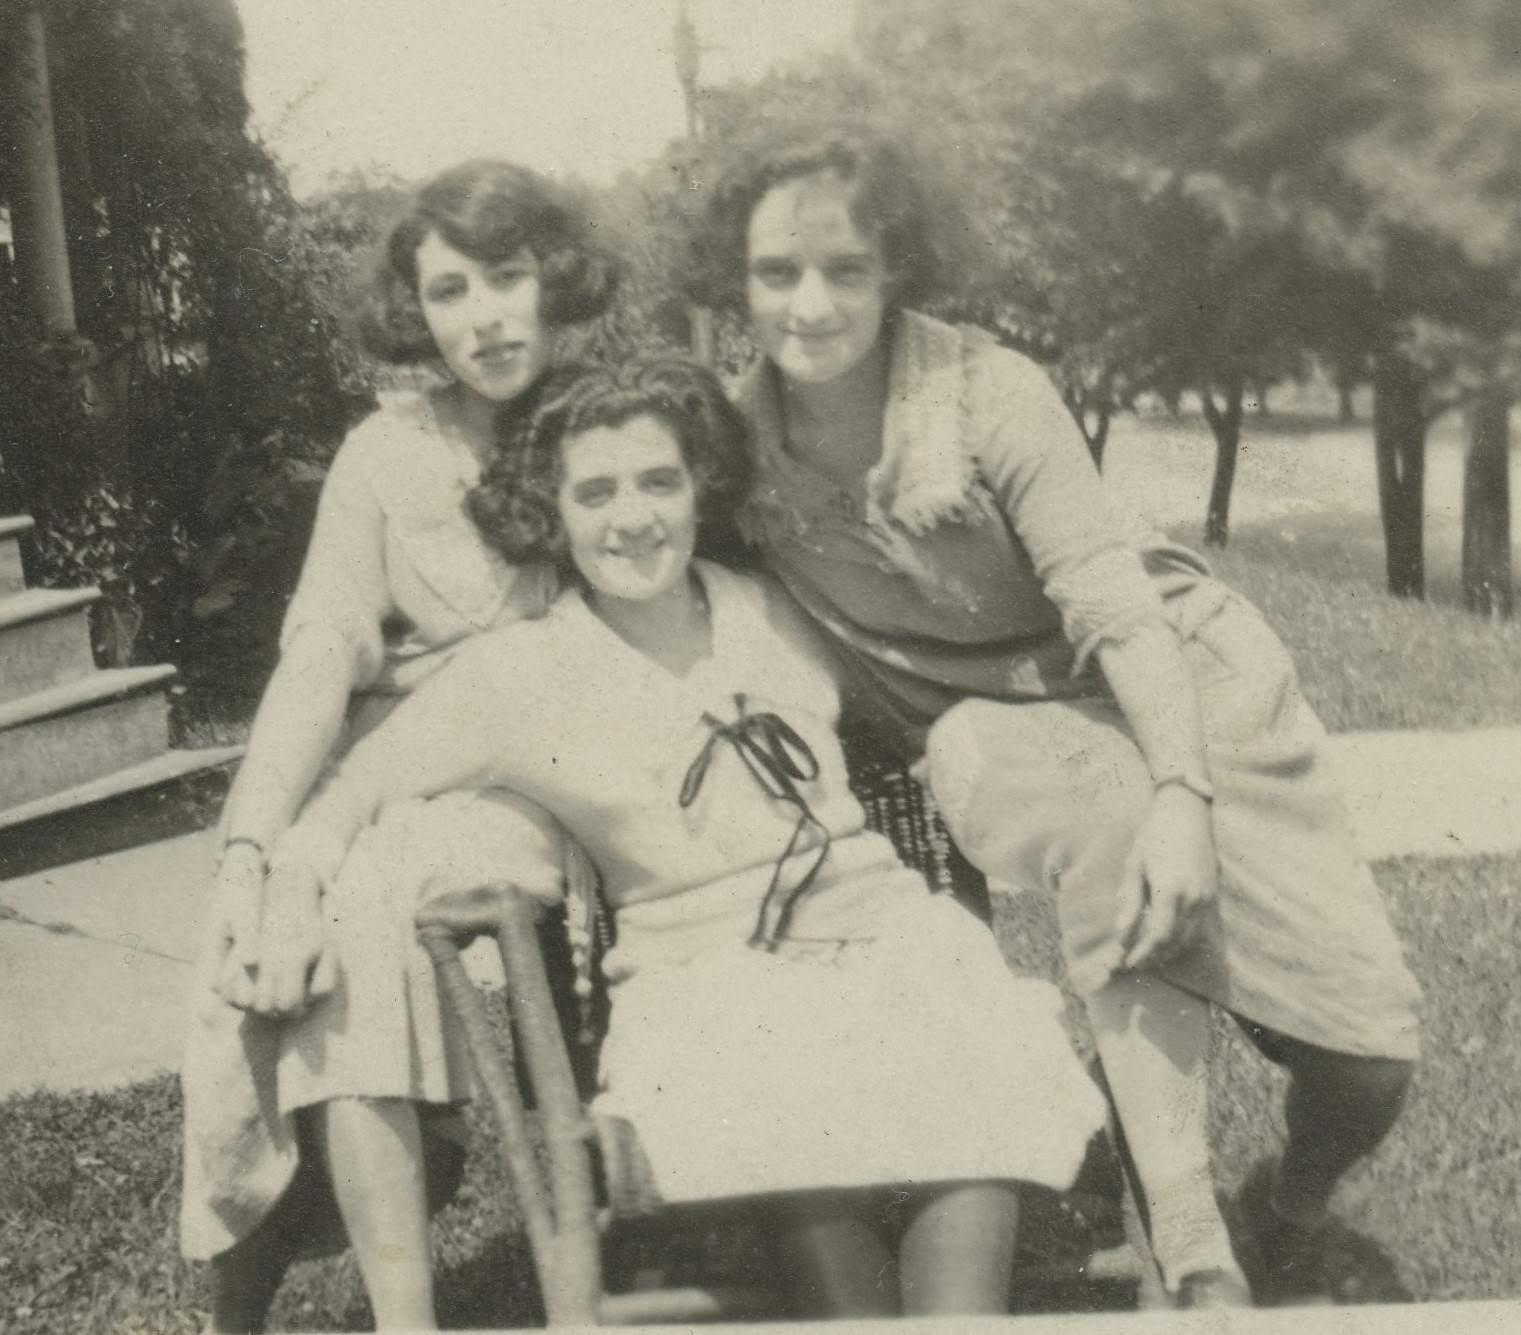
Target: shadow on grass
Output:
[(89, 1183)]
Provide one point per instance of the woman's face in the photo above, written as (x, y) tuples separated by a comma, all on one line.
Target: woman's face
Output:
[(629, 505), (483, 317), (817, 286)]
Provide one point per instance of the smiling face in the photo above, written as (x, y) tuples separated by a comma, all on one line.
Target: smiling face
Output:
[(484, 317), (629, 505), (817, 286)]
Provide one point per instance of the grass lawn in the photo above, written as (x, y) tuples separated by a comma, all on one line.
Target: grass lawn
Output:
[(89, 1183)]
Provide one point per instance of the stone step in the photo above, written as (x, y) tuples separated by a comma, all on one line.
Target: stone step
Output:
[(44, 640), (12, 529), (172, 794), (58, 738)]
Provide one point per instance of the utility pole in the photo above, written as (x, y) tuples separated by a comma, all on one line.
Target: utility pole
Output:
[(688, 52), (688, 65)]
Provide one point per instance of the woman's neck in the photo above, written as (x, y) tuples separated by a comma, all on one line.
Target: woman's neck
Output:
[(473, 417), (837, 427), (674, 630)]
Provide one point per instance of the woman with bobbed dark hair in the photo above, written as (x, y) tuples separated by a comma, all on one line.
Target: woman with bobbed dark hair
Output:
[(1095, 714), (489, 211), (794, 1016), (517, 505), (486, 266)]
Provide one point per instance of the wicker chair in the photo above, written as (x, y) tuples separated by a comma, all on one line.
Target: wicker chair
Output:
[(589, 1211)]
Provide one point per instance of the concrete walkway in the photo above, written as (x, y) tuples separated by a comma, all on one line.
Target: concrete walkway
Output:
[(95, 957)]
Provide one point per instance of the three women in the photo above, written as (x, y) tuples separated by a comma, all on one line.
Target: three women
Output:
[(1097, 717)]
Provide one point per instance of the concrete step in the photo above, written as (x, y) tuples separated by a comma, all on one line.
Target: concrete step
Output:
[(170, 795), (58, 738), (44, 640), (12, 529)]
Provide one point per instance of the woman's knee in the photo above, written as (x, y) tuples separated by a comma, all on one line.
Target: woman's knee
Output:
[(1374, 1087), (1368, 1086), (1032, 793)]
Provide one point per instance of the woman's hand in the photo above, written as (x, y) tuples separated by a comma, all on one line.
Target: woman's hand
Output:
[(1171, 878), (236, 899), (296, 964)]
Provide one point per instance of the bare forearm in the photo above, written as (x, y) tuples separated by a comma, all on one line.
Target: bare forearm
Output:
[(294, 733), (1151, 683)]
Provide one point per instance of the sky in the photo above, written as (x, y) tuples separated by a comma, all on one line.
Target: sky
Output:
[(567, 86)]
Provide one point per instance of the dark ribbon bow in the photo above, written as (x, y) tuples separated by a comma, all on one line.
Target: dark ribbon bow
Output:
[(777, 758)]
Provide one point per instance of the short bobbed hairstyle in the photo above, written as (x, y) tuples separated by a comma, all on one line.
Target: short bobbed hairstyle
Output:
[(516, 505), (890, 198), (489, 211)]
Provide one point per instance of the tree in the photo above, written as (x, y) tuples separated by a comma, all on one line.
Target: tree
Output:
[(1129, 247), (211, 359), (1370, 144)]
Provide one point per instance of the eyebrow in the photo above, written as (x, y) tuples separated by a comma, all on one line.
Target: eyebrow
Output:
[(865, 253)]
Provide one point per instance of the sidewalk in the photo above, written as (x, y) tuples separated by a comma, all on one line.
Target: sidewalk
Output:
[(95, 957)]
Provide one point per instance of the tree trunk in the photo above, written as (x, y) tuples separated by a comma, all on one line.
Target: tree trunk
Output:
[(1346, 410), (1092, 417), (1226, 425), (1486, 509), (1097, 434), (1399, 442)]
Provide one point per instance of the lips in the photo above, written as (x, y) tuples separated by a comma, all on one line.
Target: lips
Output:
[(497, 352), (635, 551)]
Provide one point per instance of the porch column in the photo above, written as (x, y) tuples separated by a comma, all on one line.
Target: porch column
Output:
[(42, 252)]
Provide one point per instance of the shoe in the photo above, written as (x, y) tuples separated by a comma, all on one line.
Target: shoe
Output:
[(1216, 1287), (1289, 1265), (1284, 1261)]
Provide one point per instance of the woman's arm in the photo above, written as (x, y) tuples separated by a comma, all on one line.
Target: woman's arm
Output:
[(330, 645), (1041, 472), (451, 733), (1171, 874), (293, 734)]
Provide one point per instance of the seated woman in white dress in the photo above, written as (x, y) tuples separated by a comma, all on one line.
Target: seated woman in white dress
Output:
[(792, 1011)]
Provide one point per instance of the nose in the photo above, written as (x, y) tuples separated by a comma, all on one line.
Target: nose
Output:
[(485, 317), (489, 310), (632, 514), (812, 298)]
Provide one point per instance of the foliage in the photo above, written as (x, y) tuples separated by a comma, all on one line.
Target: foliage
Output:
[(1207, 193), (212, 356)]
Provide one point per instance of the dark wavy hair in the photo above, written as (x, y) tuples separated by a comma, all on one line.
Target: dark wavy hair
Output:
[(489, 211), (516, 505), (890, 198)]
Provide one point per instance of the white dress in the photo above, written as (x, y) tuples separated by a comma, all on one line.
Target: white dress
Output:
[(883, 1041)]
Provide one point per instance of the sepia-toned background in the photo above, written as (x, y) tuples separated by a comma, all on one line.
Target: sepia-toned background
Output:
[(1270, 251)]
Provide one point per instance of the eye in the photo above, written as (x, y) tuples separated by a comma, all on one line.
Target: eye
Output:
[(852, 272), (446, 287), (774, 272), (508, 274), (593, 492), (664, 481)]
